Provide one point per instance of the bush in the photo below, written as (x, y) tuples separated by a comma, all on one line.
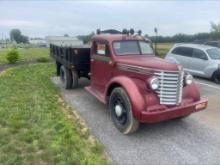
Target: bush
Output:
[(12, 56), (43, 59)]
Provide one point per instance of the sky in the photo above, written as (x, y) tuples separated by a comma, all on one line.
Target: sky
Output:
[(41, 18)]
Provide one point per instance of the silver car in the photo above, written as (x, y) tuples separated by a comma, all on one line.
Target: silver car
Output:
[(199, 60)]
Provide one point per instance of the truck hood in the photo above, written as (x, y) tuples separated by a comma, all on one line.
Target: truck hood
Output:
[(150, 62)]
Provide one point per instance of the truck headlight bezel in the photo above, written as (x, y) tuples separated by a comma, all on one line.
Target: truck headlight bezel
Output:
[(188, 79), (154, 83)]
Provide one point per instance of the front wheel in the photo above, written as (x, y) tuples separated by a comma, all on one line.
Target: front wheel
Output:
[(216, 77), (121, 111)]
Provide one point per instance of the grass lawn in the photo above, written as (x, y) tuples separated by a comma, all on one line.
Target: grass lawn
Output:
[(26, 54), (36, 126)]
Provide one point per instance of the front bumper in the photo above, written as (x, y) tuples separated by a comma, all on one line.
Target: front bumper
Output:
[(173, 112)]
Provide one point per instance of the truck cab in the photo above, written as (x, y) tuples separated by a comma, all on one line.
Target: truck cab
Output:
[(137, 86)]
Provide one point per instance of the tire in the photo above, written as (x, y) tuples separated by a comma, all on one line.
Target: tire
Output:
[(58, 65), (75, 78), (121, 112), (216, 77), (66, 77)]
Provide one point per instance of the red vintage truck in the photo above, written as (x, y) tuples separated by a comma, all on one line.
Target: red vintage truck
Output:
[(137, 86)]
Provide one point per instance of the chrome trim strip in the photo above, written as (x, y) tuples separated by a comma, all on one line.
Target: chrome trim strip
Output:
[(135, 69), (146, 69)]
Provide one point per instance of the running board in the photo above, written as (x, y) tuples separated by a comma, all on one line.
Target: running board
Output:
[(96, 93)]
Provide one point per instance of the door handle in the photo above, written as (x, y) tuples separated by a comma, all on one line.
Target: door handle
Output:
[(111, 63)]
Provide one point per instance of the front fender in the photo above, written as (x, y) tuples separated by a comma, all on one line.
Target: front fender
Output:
[(191, 91), (209, 70), (131, 88), (172, 60)]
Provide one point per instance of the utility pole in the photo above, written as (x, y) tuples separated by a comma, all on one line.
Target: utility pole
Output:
[(155, 43)]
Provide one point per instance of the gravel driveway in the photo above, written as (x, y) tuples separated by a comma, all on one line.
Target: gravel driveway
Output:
[(194, 140)]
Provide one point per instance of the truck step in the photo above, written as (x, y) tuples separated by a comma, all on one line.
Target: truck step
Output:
[(96, 93)]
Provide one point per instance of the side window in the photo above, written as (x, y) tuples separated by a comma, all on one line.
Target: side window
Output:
[(176, 51), (183, 51), (101, 48), (199, 54)]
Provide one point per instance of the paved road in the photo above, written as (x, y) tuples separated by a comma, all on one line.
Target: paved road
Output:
[(194, 140)]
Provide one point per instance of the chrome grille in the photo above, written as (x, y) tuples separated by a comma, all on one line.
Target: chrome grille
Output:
[(171, 86)]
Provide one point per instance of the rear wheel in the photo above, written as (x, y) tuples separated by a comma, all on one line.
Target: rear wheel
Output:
[(75, 79), (216, 77), (58, 65), (66, 77), (121, 112)]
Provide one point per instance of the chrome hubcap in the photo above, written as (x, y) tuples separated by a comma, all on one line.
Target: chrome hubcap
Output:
[(118, 110)]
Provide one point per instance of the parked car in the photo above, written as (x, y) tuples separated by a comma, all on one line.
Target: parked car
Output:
[(199, 60), (125, 74), (213, 43)]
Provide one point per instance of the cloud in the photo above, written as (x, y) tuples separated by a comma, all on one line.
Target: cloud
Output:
[(22, 23), (39, 18)]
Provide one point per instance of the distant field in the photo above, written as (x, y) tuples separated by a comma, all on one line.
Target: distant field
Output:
[(163, 48), (26, 54)]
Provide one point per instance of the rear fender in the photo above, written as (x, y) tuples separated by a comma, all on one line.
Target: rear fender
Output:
[(131, 88)]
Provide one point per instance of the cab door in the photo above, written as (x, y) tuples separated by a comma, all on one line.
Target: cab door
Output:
[(182, 55), (199, 62), (101, 70)]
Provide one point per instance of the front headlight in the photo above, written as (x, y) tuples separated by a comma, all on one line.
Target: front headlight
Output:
[(188, 79), (154, 83)]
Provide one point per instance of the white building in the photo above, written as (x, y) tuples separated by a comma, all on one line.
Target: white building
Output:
[(38, 42)]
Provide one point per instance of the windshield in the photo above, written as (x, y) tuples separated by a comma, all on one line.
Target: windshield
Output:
[(214, 53), (132, 48)]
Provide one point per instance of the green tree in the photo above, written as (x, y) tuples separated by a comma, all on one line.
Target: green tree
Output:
[(86, 38), (15, 35), (215, 30)]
